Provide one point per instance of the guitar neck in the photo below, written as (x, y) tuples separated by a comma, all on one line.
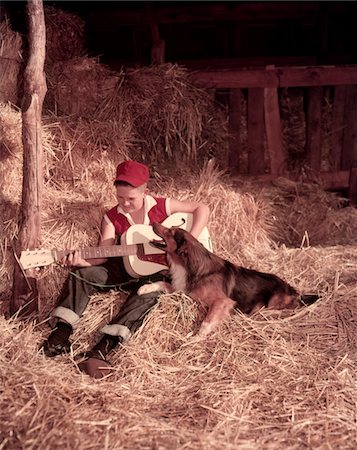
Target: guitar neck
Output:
[(140, 257), (104, 252)]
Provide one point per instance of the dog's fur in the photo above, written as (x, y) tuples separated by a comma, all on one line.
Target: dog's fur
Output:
[(218, 283)]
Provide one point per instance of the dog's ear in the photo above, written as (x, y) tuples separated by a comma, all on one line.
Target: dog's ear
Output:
[(180, 242)]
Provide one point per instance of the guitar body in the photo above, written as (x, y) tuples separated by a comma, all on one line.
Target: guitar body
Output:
[(153, 260), (141, 259)]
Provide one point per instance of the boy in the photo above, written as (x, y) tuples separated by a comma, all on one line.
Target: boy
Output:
[(135, 206)]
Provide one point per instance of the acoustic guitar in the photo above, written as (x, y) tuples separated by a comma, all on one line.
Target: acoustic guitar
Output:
[(140, 257)]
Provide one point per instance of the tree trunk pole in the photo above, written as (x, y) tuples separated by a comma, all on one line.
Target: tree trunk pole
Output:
[(25, 290)]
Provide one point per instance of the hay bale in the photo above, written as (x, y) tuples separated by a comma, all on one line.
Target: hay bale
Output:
[(77, 86), (172, 119), (10, 62), (167, 116), (65, 35)]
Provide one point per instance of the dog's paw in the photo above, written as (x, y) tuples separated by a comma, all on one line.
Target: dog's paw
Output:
[(192, 338), (152, 287), (205, 329)]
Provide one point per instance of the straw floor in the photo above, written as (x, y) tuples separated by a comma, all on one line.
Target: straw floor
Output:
[(276, 380)]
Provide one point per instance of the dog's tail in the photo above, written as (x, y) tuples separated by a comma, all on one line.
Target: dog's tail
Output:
[(308, 299)]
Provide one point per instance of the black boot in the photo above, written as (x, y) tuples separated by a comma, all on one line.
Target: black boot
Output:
[(94, 363), (103, 347), (58, 342)]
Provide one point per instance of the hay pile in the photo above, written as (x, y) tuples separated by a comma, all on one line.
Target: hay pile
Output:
[(65, 35), (65, 40), (157, 108), (78, 85), (10, 62), (275, 380)]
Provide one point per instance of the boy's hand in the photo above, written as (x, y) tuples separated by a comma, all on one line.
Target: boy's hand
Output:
[(74, 259)]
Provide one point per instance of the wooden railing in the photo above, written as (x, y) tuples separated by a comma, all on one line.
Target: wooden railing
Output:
[(264, 119)]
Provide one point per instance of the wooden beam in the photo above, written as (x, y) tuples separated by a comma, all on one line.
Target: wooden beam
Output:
[(279, 77), (338, 126), (349, 151), (318, 76), (157, 44), (235, 79), (273, 130), (255, 125), (112, 15), (235, 116), (313, 127), (247, 61), (158, 52), (329, 180), (352, 190)]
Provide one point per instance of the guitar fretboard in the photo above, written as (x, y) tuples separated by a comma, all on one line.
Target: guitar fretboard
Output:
[(104, 252)]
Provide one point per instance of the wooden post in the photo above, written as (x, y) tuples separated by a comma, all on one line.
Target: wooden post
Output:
[(349, 151), (273, 131), (313, 127), (25, 292), (338, 126), (352, 190), (235, 113), (256, 160), (158, 45)]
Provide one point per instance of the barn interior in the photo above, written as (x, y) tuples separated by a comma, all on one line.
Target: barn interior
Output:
[(190, 88)]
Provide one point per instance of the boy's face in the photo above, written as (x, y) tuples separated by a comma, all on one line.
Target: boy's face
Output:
[(130, 198)]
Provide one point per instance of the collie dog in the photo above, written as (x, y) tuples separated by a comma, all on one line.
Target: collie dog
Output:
[(218, 283)]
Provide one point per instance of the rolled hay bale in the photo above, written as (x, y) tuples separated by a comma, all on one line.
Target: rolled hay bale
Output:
[(86, 150), (77, 86), (172, 119), (168, 117), (10, 62), (65, 35), (308, 215)]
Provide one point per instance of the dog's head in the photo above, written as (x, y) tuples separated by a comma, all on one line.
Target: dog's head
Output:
[(184, 249), (175, 240)]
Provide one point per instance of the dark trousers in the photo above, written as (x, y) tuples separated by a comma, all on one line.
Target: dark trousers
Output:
[(84, 281)]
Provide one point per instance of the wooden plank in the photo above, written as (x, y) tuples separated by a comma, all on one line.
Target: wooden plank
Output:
[(247, 61), (273, 130), (255, 125), (186, 12), (349, 150), (335, 180), (158, 45), (235, 79), (279, 77), (337, 127), (352, 190), (235, 114), (318, 76), (158, 52), (329, 180), (313, 127)]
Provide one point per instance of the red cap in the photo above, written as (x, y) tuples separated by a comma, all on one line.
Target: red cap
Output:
[(132, 172)]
